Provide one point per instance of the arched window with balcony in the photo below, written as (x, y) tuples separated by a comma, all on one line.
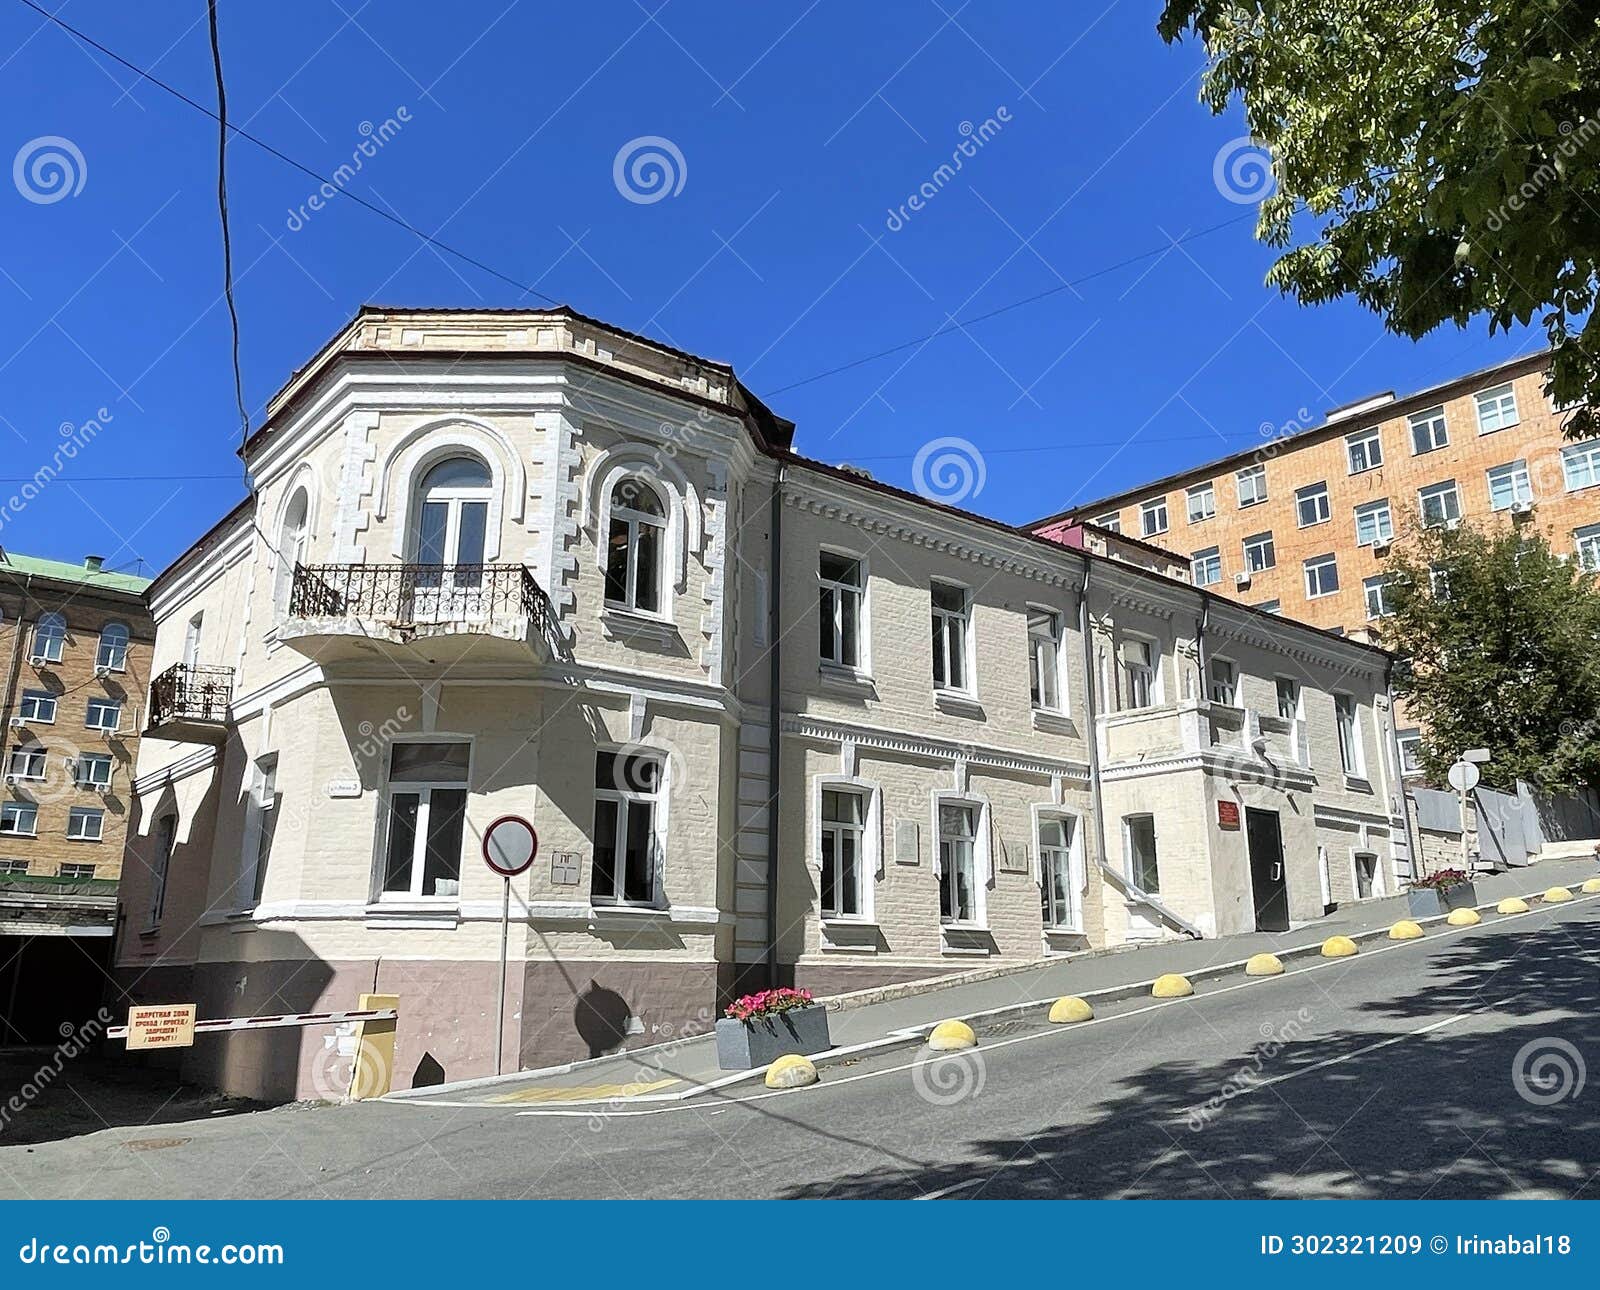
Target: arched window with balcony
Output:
[(452, 513), (112, 653), (634, 546), (293, 533)]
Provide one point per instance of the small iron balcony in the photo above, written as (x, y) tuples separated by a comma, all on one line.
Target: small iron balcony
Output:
[(189, 704)]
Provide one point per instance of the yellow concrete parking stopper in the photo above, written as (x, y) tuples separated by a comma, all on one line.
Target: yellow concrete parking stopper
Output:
[(791, 1071), (1070, 1008), (373, 1073), (1557, 896), (1405, 930), (1339, 947), (1263, 965), (1591, 886), (1171, 985), (1463, 917), (1512, 905), (948, 1036)]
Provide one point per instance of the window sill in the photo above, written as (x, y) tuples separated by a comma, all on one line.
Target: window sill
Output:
[(960, 703), (965, 940), (846, 679), (1054, 722), (422, 915), (1357, 784), (859, 935), (632, 624)]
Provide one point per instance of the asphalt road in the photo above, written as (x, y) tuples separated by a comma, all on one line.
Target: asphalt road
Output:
[(1457, 1066)]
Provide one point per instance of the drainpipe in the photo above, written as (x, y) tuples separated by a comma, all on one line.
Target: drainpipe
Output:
[(1117, 877), (1201, 651), (14, 666), (774, 717)]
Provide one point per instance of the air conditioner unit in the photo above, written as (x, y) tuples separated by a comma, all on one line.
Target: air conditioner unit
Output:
[(1522, 508), (37, 660), (1452, 524), (19, 721), (102, 672), (1380, 548), (12, 780), (1242, 579)]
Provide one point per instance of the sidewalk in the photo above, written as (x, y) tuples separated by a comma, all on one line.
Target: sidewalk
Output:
[(671, 1072)]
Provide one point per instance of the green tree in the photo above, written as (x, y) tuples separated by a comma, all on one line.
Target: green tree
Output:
[(1436, 159), (1501, 639)]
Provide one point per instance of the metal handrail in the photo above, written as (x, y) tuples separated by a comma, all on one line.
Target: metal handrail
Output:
[(407, 594), (191, 693)]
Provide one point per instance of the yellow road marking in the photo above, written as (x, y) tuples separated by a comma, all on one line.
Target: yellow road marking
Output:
[(585, 1093)]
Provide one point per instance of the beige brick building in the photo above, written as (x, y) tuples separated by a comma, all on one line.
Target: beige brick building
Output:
[(772, 720), (1303, 524), (75, 643)]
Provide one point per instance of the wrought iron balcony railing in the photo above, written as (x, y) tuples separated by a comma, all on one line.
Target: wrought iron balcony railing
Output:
[(412, 594), (183, 693)]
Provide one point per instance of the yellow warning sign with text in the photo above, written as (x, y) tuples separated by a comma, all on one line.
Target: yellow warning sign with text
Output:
[(161, 1025)]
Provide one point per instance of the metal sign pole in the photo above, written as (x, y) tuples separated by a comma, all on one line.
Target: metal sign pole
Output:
[(500, 1001)]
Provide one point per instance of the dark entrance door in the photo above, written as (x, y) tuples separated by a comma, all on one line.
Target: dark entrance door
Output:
[(1265, 841)]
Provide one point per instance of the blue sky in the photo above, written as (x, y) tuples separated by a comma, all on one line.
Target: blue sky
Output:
[(800, 126)]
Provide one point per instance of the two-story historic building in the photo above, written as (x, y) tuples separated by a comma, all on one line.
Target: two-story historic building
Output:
[(772, 720)]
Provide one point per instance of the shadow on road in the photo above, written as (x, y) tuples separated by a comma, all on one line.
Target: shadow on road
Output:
[(1469, 1110)]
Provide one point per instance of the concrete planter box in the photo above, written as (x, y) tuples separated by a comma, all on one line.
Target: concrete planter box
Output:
[(744, 1045), (1433, 902)]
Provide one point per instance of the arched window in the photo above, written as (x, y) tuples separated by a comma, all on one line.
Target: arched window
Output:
[(452, 514), (634, 546), (49, 638), (292, 533), (113, 652)]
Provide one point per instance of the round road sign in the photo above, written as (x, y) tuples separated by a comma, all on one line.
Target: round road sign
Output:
[(509, 845), (1463, 776)]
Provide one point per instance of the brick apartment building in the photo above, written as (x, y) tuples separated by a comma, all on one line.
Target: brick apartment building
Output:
[(75, 644), (1302, 524)]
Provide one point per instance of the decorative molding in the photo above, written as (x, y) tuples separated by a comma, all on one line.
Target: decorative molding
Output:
[(933, 749)]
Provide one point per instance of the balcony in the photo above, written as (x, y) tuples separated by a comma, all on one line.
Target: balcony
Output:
[(189, 704), (419, 613)]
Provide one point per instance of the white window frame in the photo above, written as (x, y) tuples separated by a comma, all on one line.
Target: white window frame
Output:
[(948, 620), (869, 859), (1126, 675), (85, 770), (49, 638), (1501, 408), (1256, 478), (1580, 465), (1222, 687), (294, 532), (1322, 504), (1271, 606), (90, 866), (1586, 543), (1515, 474), (104, 705), (260, 830), (34, 760), (1380, 585), (1047, 649), (1432, 423), (636, 521), (1206, 495), (11, 868), (862, 663), (627, 799), (1077, 873), (1363, 450), (165, 834), (17, 811), (78, 820), (111, 651), (1410, 762), (982, 858), (1259, 542), (1297, 718), (419, 842), (1208, 560), (1111, 522), (1129, 871), (39, 701), (1380, 886), (1352, 750), (1382, 521), (1148, 513), (1319, 562), (1445, 488)]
